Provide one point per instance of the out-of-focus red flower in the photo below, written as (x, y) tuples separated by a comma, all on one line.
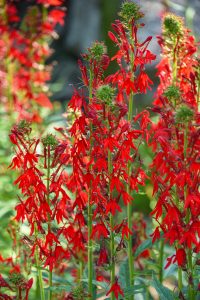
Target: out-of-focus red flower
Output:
[(116, 289)]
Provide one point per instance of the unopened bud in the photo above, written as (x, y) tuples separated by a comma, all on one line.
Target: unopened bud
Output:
[(106, 94), (130, 11), (50, 140), (172, 93), (184, 114), (172, 24), (97, 50)]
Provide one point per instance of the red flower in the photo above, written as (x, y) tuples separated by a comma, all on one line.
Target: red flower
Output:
[(103, 257), (116, 289), (99, 230), (50, 2), (112, 207), (143, 82), (57, 16), (181, 257)]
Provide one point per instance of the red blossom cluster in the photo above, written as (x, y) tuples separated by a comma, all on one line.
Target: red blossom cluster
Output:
[(74, 189), (45, 200), (176, 144), (23, 51), (103, 139)]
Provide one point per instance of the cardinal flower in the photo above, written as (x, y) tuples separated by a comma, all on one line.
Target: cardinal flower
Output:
[(116, 289)]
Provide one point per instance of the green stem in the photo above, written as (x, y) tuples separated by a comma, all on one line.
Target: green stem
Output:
[(49, 217), (174, 65), (42, 295), (189, 252), (90, 242), (112, 237), (129, 209), (39, 272), (161, 252), (80, 271), (129, 167), (112, 255), (90, 247), (174, 79), (147, 293), (18, 294), (180, 279), (191, 294)]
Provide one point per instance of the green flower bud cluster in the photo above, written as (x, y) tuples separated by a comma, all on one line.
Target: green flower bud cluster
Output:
[(78, 292), (172, 25), (130, 11), (50, 140), (24, 127), (97, 50), (17, 280), (105, 93), (172, 93), (184, 114)]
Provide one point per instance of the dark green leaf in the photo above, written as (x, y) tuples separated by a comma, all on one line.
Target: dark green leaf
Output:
[(124, 274), (57, 289), (164, 292), (133, 290)]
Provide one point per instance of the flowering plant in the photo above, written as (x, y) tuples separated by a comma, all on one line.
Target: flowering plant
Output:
[(81, 236)]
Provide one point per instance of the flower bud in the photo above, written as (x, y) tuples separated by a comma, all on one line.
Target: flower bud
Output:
[(50, 140), (17, 280), (78, 292), (130, 11), (172, 93), (172, 25), (184, 114), (96, 51), (105, 93), (24, 127)]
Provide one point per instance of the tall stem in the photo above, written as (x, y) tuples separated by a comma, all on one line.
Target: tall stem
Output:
[(128, 189), (112, 255), (174, 79), (161, 260), (191, 294), (112, 237), (129, 209), (174, 63), (90, 243), (180, 279), (189, 252), (49, 217), (39, 272), (90, 246)]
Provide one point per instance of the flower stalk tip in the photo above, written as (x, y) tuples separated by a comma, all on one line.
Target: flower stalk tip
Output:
[(172, 25), (130, 11)]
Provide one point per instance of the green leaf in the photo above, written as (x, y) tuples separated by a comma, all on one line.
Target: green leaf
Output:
[(164, 292), (145, 245), (57, 289), (134, 290), (101, 284), (56, 279), (124, 274)]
